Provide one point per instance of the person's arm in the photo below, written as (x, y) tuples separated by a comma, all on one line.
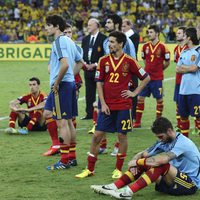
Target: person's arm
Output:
[(37, 107), (128, 93), (154, 161), (78, 66), (63, 69), (183, 69), (14, 104), (166, 64), (104, 106)]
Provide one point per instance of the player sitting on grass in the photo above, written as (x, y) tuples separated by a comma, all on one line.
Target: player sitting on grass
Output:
[(173, 163), (32, 122)]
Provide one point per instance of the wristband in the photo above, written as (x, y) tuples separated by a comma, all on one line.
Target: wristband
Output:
[(141, 162)]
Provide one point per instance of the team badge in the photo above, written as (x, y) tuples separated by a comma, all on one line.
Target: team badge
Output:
[(193, 58), (106, 68), (99, 49), (125, 67)]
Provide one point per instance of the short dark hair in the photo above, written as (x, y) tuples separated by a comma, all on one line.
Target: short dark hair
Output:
[(120, 36), (116, 19), (192, 33), (161, 125), (182, 28), (155, 28), (35, 79), (56, 20), (68, 26)]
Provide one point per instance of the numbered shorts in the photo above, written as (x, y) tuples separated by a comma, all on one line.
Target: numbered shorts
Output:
[(64, 103), (117, 121), (36, 127), (153, 87), (189, 105), (182, 185)]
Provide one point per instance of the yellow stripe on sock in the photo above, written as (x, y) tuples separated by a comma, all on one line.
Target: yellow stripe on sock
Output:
[(130, 175), (184, 131), (72, 149), (57, 105), (64, 151), (147, 179), (140, 111)]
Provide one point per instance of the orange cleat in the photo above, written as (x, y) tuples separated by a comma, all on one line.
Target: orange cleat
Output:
[(52, 151)]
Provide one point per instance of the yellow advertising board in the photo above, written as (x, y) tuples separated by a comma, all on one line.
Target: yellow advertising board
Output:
[(22, 52), (40, 52)]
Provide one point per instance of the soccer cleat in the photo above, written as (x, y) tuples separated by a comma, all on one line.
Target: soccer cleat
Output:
[(103, 189), (136, 125), (52, 151), (73, 163), (23, 131), (115, 151), (116, 174), (10, 130), (85, 173), (103, 150), (59, 165), (123, 193), (92, 130)]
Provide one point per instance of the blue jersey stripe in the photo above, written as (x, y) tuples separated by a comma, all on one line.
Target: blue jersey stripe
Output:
[(58, 48)]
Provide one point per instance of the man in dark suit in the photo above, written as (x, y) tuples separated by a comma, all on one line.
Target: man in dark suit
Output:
[(92, 46), (127, 28)]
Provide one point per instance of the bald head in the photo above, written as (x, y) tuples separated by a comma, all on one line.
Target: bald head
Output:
[(93, 26)]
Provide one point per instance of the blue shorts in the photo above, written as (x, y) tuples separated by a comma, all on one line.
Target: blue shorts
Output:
[(36, 127), (189, 105), (153, 87), (64, 104), (118, 121), (176, 92), (182, 185)]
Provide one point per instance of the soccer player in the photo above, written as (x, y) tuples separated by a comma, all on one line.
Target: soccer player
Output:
[(113, 74), (172, 163), (177, 51), (62, 98), (189, 93), (32, 122), (157, 58)]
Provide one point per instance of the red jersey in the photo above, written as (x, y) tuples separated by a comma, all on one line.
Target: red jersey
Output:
[(30, 101), (154, 56), (116, 75), (177, 52)]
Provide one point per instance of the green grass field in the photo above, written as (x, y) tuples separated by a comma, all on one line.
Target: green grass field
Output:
[(22, 167)]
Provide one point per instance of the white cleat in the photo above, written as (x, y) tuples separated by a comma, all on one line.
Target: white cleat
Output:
[(103, 189), (123, 193)]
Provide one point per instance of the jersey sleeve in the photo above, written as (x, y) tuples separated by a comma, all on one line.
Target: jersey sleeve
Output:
[(155, 149), (143, 53), (167, 53), (23, 99), (180, 61), (129, 48), (138, 70)]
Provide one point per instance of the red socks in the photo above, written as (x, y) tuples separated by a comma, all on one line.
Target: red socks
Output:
[(91, 162), (64, 150), (53, 131), (36, 117), (185, 126), (120, 161), (12, 120), (159, 109), (139, 111), (103, 143), (72, 151)]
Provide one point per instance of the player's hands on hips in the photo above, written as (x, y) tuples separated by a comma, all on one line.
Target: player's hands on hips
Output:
[(105, 109), (127, 93)]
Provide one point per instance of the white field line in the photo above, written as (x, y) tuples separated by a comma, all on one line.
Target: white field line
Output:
[(83, 98)]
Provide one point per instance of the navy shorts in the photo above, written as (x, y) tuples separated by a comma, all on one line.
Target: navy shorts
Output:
[(64, 103), (153, 87), (182, 185), (189, 105), (176, 92), (36, 126), (118, 121)]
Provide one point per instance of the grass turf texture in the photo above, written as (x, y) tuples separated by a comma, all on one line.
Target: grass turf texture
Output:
[(22, 168)]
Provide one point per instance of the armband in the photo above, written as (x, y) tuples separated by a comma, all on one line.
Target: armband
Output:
[(141, 162)]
